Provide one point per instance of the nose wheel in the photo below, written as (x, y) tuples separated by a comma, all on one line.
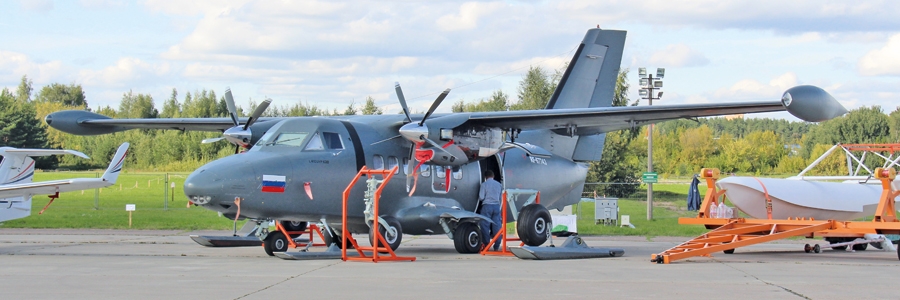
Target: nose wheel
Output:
[(275, 242)]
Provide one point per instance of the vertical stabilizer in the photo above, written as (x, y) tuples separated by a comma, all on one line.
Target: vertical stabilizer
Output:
[(115, 166), (589, 81)]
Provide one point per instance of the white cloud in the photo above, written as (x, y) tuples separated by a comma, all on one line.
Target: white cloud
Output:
[(468, 16), (749, 89), (679, 55), (882, 61), (37, 5), (13, 65), (124, 73)]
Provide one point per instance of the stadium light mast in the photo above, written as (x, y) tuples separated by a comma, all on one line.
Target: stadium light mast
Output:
[(649, 84)]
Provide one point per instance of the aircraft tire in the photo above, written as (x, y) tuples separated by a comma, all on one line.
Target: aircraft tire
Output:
[(534, 224), (393, 241), (275, 242), (467, 238), (294, 225), (334, 238)]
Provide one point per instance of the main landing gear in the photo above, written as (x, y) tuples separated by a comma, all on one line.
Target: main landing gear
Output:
[(534, 224)]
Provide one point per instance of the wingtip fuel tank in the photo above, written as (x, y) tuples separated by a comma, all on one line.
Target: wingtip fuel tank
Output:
[(811, 104)]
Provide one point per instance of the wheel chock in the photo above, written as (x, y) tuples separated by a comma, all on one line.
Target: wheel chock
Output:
[(573, 248)]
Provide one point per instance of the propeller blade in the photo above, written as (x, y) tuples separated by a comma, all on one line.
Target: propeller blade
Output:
[(258, 112), (229, 101), (410, 166), (212, 140), (237, 149), (402, 101), (437, 102)]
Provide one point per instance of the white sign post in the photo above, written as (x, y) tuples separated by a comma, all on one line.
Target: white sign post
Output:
[(129, 208)]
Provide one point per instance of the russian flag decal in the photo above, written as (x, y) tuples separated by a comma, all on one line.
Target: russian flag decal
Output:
[(273, 184)]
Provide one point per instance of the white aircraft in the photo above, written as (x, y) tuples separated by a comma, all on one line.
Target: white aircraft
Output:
[(17, 171), (812, 197)]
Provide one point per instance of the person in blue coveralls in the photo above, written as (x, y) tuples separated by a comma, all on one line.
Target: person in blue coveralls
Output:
[(489, 196)]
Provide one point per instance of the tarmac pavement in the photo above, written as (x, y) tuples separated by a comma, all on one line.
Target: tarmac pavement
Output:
[(143, 264)]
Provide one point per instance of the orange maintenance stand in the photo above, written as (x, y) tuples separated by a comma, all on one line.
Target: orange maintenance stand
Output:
[(379, 243), (739, 232)]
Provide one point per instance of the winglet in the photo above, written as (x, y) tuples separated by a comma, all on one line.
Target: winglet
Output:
[(115, 166)]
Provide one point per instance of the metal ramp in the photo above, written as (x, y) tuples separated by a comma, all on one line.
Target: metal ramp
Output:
[(741, 233)]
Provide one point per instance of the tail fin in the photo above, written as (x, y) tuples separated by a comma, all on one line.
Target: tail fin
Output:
[(589, 81), (115, 166), (590, 78), (18, 167)]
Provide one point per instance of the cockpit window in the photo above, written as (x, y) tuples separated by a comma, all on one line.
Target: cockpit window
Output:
[(333, 140), (315, 143), (290, 139)]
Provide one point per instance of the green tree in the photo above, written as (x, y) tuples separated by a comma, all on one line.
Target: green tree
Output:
[(137, 106), (23, 93), (69, 95), (20, 127), (171, 108), (534, 90), (370, 108), (498, 101)]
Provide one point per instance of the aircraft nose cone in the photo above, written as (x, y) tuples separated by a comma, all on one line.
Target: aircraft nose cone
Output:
[(201, 186)]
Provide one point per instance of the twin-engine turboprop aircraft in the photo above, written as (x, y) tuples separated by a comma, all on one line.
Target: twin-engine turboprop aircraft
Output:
[(298, 167), (17, 171)]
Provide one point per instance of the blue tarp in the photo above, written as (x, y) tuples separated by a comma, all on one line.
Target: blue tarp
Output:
[(693, 198)]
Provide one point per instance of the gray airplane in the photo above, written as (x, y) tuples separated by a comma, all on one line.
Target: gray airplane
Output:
[(296, 168)]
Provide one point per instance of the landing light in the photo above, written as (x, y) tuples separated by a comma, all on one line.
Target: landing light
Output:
[(446, 133)]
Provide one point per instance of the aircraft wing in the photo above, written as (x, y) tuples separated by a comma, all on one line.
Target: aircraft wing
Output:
[(51, 187), (89, 123), (605, 119)]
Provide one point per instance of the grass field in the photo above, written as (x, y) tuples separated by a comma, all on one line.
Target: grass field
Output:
[(106, 208)]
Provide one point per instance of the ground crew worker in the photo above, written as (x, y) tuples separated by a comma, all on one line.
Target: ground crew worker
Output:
[(489, 196)]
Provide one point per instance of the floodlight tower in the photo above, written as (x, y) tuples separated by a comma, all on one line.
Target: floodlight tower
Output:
[(648, 85)]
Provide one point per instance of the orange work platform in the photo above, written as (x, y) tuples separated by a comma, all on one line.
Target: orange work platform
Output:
[(379, 244), (739, 232)]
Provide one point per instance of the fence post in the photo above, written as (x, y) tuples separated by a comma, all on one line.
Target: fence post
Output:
[(96, 194), (166, 192)]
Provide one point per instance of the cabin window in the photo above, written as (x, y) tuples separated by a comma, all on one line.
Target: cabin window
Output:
[(405, 166), (290, 138), (458, 173), (425, 170), (333, 141), (393, 162), (377, 162), (440, 171), (315, 143)]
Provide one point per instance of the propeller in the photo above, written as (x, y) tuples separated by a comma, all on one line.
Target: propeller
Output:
[(418, 135), (239, 135)]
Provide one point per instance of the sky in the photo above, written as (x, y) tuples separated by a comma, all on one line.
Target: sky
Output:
[(335, 53)]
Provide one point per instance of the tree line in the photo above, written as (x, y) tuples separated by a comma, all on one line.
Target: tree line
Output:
[(681, 147)]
